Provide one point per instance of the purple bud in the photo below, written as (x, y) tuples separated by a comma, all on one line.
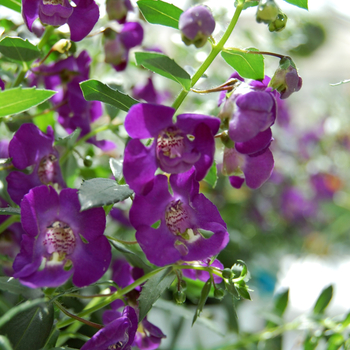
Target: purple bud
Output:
[(196, 25)]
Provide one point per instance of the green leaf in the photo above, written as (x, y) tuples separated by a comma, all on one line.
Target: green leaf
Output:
[(212, 177), (117, 168), (30, 328), (250, 66), (18, 100), (165, 66), (230, 287), (153, 289), (160, 12), (5, 343), (335, 341), (243, 292), (281, 302), (69, 141), (99, 192), (323, 300), (9, 284), (10, 211), (18, 49), (299, 3), (202, 300), (94, 90), (12, 4)]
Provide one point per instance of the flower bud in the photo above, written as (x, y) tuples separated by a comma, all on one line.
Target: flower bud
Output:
[(62, 46), (219, 293), (267, 11), (87, 161), (196, 25), (286, 79), (118, 9), (183, 285), (227, 274), (279, 23), (179, 297)]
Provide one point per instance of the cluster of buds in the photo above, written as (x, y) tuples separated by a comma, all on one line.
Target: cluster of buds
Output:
[(269, 13)]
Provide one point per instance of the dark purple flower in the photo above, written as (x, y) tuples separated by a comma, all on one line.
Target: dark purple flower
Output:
[(203, 275), (60, 240), (182, 217), (80, 18), (148, 93), (117, 45), (2, 84), (118, 334), (119, 215), (118, 9), (325, 185), (31, 147), (176, 148), (196, 25)]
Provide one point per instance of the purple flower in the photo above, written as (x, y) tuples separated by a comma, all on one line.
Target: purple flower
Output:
[(176, 148), (31, 147), (118, 334), (182, 218), (60, 241), (80, 18), (118, 9), (148, 93), (196, 25), (325, 185), (203, 275), (2, 84), (117, 45)]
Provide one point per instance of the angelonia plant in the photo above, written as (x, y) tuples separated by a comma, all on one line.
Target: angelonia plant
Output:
[(57, 123)]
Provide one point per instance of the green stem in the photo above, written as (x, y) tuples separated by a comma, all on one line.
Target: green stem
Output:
[(108, 300), (8, 222), (202, 268), (214, 52), (48, 31), (21, 75)]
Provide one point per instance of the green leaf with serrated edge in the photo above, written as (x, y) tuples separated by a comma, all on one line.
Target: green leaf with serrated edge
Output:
[(202, 300), (281, 302), (299, 3), (323, 300), (30, 328), (187, 314), (116, 166), (160, 12), (99, 192), (153, 289), (18, 100), (10, 211), (69, 140), (94, 90), (12, 4), (212, 177), (18, 49), (250, 66), (165, 66), (5, 343), (230, 287)]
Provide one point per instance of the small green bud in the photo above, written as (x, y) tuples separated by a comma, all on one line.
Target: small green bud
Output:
[(267, 11), (88, 161), (226, 141), (183, 285), (179, 297), (279, 23), (236, 270), (227, 274), (219, 293)]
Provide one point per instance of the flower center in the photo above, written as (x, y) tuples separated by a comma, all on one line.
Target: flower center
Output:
[(53, 2), (59, 239), (171, 144), (46, 170), (177, 218)]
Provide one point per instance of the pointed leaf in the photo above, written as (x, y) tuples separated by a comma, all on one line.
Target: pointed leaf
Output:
[(69, 140), (230, 287), (99, 192), (250, 66), (10, 211), (160, 12), (18, 100), (153, 289), (117, 168), (202, 300), (5, 343), (94, 90), (212, 177), (165, 66), (323, 300), (300, 3), (18, 49), (12, 4), (281, 302)]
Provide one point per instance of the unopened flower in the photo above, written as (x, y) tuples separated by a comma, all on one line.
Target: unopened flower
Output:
[(80, 18), (60, 241), (31, 147), (118, 9), (176, 146), (267, 11), (171, 227), (196, 25)]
